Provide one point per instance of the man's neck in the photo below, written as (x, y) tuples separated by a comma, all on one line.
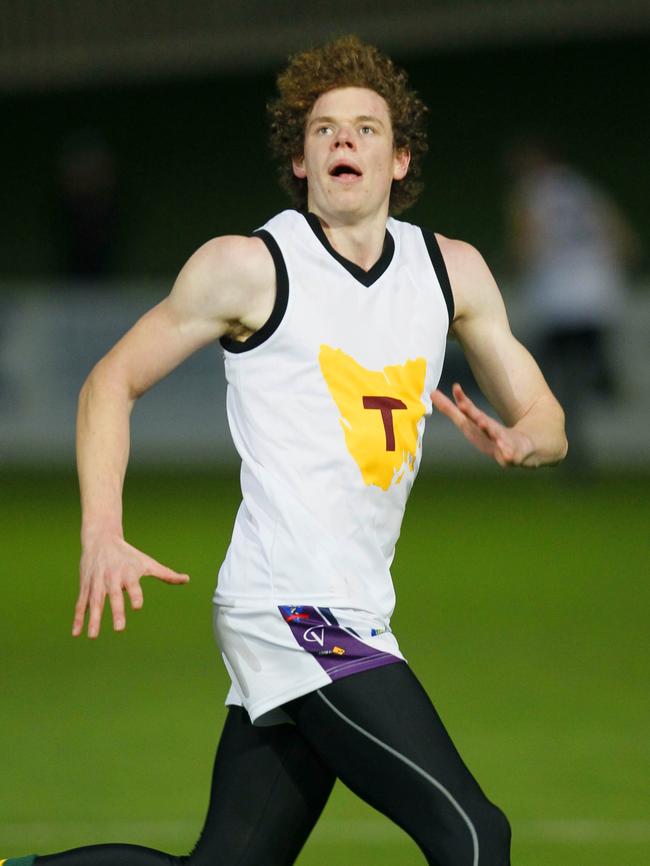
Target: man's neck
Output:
[(360, 242)]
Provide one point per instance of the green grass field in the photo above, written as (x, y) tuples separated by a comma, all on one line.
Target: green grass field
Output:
[(522, 605)]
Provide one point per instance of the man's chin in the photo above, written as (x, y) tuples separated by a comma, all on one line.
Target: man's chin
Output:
[(347, 206)]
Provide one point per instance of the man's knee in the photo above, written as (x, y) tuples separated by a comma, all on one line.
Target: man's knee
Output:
[(494, 835), (489, 830), (479, 833)]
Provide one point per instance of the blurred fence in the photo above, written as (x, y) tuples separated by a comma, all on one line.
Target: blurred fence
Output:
[(51, 336)]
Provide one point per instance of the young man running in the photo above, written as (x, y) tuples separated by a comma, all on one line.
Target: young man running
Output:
[(333, 320)]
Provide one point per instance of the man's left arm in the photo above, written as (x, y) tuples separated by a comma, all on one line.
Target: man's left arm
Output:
[(531, 430)]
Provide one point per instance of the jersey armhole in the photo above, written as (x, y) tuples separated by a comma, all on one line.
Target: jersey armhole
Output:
[(438, 262), (279, 306)]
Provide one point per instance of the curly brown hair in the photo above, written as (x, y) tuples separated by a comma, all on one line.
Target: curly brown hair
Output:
[(346, 62)]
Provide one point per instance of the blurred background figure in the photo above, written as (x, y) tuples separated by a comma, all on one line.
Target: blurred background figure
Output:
[(571, 246), (87, 183)]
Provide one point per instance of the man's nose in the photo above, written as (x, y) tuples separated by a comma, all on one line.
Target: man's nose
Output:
[(344, 138)]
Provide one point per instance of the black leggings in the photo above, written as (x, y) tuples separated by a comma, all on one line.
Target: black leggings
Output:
[(379, 733)]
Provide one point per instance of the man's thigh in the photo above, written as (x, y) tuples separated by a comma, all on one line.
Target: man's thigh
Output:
[(379, 732), (268, 789)]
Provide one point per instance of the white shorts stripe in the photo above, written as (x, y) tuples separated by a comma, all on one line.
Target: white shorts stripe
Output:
[(414, 767)]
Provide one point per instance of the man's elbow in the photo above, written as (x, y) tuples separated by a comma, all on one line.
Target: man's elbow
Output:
[(551, 430), (561, 443), (106, 382)]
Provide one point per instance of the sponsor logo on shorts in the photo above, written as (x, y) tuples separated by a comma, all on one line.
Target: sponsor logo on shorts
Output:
[(292, 612), (315, 634), (338, 650)]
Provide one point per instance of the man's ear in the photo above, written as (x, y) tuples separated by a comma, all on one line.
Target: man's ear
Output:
[(298, 163), (402, 160)]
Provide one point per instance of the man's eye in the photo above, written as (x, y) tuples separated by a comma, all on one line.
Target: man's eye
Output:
[(367, 130), (323, 130)]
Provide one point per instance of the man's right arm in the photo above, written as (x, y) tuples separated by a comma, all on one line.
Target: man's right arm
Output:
[(226, 287)]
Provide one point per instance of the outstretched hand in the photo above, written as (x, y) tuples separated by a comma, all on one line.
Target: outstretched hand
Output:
[(509, 447), (110, 567)]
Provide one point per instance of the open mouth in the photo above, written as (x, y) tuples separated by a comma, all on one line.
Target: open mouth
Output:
[(344, 171)]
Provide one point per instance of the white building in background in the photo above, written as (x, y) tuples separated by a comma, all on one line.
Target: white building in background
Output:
[(51, 337)]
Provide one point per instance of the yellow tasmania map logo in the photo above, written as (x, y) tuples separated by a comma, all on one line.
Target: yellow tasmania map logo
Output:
[(380, 410)]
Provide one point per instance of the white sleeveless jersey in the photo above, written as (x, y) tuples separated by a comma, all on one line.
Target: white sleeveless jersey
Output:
[(326, 405)]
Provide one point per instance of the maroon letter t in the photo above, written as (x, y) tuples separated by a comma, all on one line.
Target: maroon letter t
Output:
[(386, 405)]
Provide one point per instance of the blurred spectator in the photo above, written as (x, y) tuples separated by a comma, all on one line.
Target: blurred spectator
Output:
[(87, 181), (571, 245)]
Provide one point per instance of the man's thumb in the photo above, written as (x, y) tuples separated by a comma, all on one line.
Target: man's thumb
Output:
[(162, 572)]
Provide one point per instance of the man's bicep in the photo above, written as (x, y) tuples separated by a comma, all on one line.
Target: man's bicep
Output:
[(229, 282), (505, 370), (219, 285), (154, 346)]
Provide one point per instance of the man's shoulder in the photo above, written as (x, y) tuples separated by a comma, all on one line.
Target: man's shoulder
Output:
[(231, 253), (228, 277), (472, 283), (458, 254), (239, 253), (229, 263)]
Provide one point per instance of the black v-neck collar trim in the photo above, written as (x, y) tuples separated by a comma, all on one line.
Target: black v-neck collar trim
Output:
[(366, 278)]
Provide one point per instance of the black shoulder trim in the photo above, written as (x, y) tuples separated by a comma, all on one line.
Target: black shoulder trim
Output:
[(279, 307), (439, 266)]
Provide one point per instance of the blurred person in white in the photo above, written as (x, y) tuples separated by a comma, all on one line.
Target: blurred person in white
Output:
[(571, 245)]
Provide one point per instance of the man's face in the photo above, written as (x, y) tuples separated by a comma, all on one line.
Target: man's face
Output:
[(349, 160)]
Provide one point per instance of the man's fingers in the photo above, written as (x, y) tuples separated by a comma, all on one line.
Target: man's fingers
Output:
[(162, 572), (447, 407), (117, 608), (135, 595), (117, 571), (462, 400), (503, 455), (80, 612), (506, 446), (464, 413), (96, 610), (468, 407), (488, 425), (514, 451)]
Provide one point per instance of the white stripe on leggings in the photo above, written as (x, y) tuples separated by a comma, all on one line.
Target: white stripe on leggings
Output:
[(415, 767)]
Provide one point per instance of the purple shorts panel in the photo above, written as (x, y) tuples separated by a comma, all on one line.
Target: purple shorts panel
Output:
[(338, 650)]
